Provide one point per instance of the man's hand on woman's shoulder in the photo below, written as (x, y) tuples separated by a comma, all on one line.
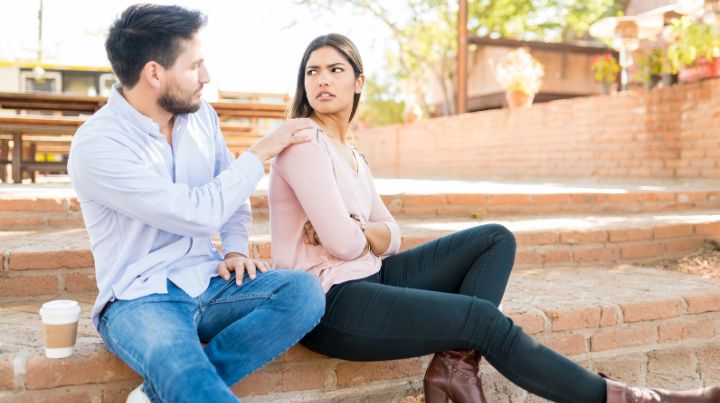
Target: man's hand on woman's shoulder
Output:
[(291, 132)]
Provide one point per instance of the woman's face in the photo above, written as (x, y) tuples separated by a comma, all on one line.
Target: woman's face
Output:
[(330, 83)]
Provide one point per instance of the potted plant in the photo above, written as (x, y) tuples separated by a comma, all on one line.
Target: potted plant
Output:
[(653, 66), (694, 49), (605, 70), (521, 77)]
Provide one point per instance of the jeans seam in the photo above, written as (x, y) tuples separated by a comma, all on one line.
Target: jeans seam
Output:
[(234, 298)]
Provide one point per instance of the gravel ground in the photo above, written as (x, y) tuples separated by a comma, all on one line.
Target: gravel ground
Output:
[(705, 262)]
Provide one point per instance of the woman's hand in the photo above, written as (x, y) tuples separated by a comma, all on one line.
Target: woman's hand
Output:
[(239, 263), (310, 236)]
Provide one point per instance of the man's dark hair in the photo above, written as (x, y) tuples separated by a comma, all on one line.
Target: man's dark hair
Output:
[(146, 32)]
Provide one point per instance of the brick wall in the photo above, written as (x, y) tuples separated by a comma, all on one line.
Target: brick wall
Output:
[(663, 133)]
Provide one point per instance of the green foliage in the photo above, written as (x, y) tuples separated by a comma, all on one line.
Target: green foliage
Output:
[(425, 35), (691, 41), (378, 107)]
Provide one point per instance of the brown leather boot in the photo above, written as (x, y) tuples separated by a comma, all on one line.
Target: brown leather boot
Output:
[(454, 374), (620, 393)]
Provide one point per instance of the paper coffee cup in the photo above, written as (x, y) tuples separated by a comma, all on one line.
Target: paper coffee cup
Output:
[(60, 323)]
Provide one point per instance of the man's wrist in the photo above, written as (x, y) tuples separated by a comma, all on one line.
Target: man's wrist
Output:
[(230, 255)]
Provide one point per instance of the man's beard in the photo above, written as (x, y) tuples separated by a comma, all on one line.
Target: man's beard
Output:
[(174, 101)]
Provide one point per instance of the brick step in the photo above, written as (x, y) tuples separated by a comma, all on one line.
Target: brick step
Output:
[(52, 261), (474, 200), (640, 325), (30, 220)]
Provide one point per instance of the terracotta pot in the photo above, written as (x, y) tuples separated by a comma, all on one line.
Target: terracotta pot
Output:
[(702, 69), (517, 99)]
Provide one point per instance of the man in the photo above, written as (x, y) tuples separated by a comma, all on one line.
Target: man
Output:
[(155, 181)]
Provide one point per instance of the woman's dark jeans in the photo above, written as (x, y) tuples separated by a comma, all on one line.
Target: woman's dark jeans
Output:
[(444, 295)]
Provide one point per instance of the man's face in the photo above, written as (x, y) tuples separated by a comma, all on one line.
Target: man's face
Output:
[(185, 80)]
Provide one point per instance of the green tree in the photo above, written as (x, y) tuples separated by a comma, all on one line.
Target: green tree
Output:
[(424, 36)]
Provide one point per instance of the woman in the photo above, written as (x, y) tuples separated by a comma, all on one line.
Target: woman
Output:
[(327, 218)]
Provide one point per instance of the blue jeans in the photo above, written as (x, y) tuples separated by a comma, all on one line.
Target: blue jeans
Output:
[(159, 335)]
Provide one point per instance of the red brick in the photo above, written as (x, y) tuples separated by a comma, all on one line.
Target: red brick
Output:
[(80, 282), (424, 200), (624, 197), (692, 196), (550, 199), (674, 231), (419, 211), (566, 345), (87, 365), (574, 318), (642, 250), (557, 256), (60, 395), (595, 254), (7, 373), (531, 323), (613, 339), (608, 316), (675, 246), (46, 205), (536, 238), (652, 310), (582, 237), (264, 250), (60, 259), (708, 228), (673, 332), (467, 199), (73, 204), (413, 241), (22, 286), (278, 378), (629, 234), (528, 257), (460, 211), (117, 393), (702, 303), (508, 199), (66, 222), (300, 353), (362, 373), (21, 221)]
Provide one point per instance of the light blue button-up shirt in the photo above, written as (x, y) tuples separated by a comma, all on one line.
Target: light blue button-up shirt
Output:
[(149, 208)]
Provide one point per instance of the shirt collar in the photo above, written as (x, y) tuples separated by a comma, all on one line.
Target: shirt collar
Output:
[(118, 104)]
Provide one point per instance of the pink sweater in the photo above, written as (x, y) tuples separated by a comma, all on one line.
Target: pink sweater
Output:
[(311, 181)]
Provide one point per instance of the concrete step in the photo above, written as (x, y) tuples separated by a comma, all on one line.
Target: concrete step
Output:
[(51, 261), (427, 199), (640, 325)]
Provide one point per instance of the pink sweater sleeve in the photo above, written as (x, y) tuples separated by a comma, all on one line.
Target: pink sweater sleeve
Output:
[(380, 213), (307, 169)]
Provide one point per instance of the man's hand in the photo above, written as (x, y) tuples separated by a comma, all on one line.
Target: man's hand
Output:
[(239, 263), (273, 143)]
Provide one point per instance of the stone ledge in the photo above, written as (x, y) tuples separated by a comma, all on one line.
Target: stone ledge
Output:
[(580, 312)]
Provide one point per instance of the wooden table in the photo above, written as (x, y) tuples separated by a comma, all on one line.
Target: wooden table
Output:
[(56, 132)]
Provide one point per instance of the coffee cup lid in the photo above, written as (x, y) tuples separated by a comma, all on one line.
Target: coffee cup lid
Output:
[(60, 306)]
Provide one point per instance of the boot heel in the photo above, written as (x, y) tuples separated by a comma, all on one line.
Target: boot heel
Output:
[(433, 394)]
